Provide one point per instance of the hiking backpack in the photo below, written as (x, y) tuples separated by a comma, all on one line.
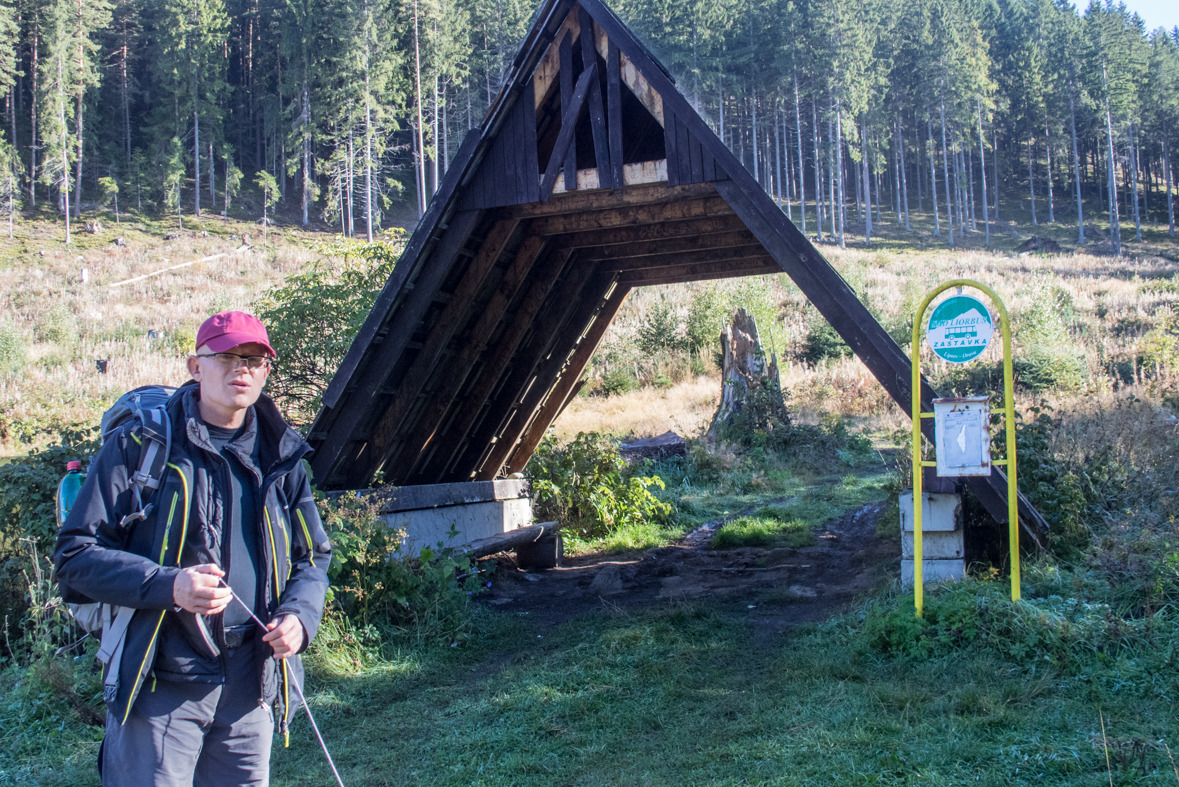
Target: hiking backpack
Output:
[(147, 406)]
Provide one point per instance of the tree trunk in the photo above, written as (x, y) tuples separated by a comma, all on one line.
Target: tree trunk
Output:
[(867, 188), (1048, 162), (1031, 180), (1134, 181), (196, 158), (818, 168), (419, 138), (904, 175), (842, 204), (124, 95), (968, 168), (751, 390), (982, 169), (1115, 233), (946, 172), (33, 119), (802, 164), (937, 221), (1170, 186)]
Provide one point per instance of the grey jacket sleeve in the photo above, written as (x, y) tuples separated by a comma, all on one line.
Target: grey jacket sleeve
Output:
[(92, 558), (311, 554)]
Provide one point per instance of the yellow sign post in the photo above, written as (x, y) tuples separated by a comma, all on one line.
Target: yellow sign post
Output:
[(961, 346)]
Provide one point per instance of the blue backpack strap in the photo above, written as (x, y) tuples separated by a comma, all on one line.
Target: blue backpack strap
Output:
[(155, 446)]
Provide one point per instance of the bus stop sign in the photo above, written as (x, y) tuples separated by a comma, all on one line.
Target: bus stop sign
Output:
[(959, 329)]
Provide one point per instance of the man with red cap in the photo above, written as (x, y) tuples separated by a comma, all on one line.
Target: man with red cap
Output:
[(198, 687)]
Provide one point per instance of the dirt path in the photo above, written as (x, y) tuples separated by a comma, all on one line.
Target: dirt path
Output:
[(785, 586)]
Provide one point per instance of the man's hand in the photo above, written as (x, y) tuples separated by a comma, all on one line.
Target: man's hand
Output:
[(198, 589), (285, 636)]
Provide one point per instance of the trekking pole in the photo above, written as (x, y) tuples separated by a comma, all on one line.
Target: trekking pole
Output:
[(295, 683)]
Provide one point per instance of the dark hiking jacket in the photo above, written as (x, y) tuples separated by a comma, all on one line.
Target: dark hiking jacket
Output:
[(135, 565)]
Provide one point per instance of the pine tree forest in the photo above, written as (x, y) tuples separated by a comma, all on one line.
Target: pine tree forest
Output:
[(849, 112)]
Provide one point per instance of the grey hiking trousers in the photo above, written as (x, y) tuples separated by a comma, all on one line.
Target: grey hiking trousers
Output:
[(194, 734)]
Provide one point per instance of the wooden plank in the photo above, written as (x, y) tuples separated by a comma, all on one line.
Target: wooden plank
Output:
[(749, 266), (708, 165), (697, 242), (614, 113), (670, 151), (461, 363), (696, 162), (419, 242), (503, 542), (496, 360), (511, 383), (511, 139), (707, 207), (579, 202), (649, 232), (549, 68), (452, 318), (569, 380), (699, 257), (546, 373), (565, 136), (683, 150), (371, 377), (569, 157), (632, 78), (597, 114), (531, 165)]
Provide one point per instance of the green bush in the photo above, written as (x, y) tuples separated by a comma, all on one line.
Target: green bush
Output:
[(12, 350), (585, 486), (618, 381), (1048, 357), (822, 343), (314, 315), (660, 330), (58, 326), (707, 313), (375, 584)]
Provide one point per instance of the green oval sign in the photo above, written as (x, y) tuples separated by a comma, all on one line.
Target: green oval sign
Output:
[(959, 329)]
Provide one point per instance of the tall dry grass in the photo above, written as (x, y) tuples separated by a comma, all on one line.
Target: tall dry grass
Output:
[(143, 330)]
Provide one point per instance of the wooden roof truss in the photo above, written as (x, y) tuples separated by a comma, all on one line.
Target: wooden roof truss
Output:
[(590, 175)]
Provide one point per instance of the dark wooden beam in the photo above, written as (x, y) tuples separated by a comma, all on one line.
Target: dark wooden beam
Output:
[(566, 57), (538, 385), (597, 114), (614, 112), (697, 242), (648, 232), (569, 381), (565, 136), (704, 256), (600, 199), (374, 373), (708, 207), (472, 344), (650, 279), (453, 317), (506, 368)]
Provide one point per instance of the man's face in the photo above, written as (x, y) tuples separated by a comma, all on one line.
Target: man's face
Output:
[(228, 390)]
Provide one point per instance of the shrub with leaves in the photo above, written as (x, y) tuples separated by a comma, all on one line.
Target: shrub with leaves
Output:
[(1047, 356), (314, 315), (12, 350), (586, 486), (374, 583)]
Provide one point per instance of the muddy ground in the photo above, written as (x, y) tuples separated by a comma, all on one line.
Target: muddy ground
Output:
[(784, 586)]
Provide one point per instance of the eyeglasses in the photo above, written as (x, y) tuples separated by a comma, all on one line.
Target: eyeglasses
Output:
[(233, 360)]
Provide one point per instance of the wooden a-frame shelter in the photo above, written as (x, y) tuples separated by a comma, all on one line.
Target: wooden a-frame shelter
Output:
[(589, 175)]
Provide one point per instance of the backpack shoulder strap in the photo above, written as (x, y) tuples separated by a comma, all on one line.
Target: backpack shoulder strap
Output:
[(155, 446)]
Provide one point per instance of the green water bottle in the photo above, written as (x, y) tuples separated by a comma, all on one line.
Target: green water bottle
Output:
[(67, 490)]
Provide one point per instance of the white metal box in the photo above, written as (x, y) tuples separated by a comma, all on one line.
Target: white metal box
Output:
[(962, 436)]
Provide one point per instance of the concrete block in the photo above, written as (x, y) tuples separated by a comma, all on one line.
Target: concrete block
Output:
[(933, 572), (938, 512), (935, 545), (426, 527)]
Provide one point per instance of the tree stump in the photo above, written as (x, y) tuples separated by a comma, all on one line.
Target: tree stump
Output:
[(751, 391)]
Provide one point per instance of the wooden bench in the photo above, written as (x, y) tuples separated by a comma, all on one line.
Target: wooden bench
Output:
[(537, 546)]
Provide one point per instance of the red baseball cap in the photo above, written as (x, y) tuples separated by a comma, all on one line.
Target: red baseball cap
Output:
[(227, 330)]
